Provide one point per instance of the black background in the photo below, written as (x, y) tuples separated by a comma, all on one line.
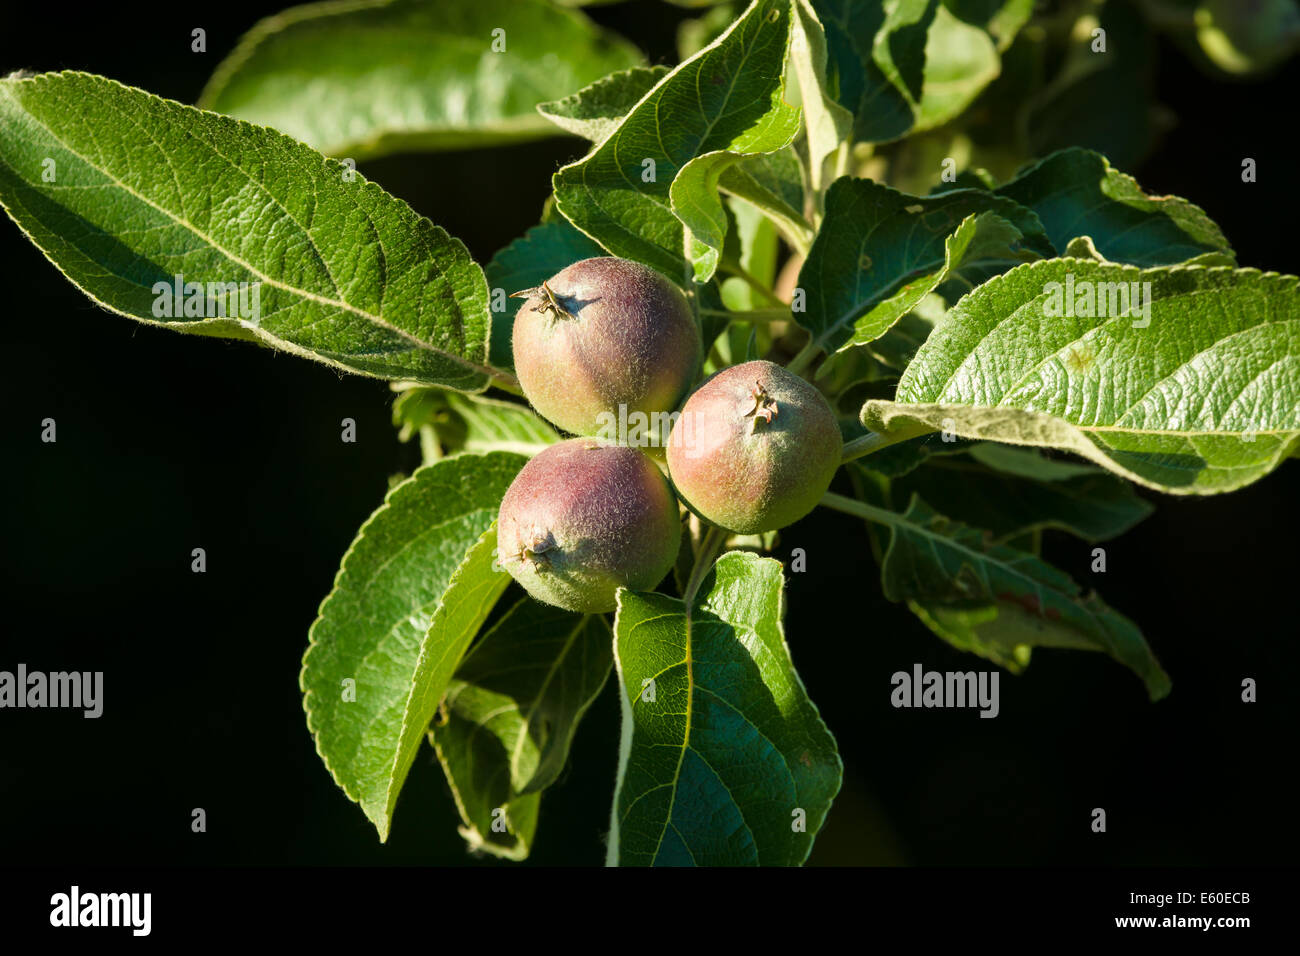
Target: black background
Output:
[(167, 443)]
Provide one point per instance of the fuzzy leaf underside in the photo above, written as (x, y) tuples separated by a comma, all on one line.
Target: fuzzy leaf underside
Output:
[(410, 594), (1200, 395), (595, 111)]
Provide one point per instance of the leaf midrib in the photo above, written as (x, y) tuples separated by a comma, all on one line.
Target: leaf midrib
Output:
[(232, 257), (541, 694)]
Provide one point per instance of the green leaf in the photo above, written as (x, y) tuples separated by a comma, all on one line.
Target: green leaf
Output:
[(1087, 502), (726, 99), (412, 591), (1198, 395), (828, 124), (510, 715), (982, 239), (723, 755), (773, 184), (998, 602), (915, 64), (755, 245), (769, 181), (1077, 193), (146, 189), (494, 425), (875, 240), (472, 423), (1028, 463), (468, 760), (595, 111), (361, 79), (897, 346), (537, 255), (695, 200)]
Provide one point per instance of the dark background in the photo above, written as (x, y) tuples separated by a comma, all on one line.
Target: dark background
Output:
[(167, 443)]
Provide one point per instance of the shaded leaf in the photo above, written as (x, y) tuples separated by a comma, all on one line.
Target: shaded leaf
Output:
[(368, 78), (1077, 193), (1087, 502), (874, 240), (1244, 38), (997, 602), (510, 715), (915, 64), (773, 183)]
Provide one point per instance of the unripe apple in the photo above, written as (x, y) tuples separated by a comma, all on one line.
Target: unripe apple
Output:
[(600, 334), (584, 518), (755, 448)]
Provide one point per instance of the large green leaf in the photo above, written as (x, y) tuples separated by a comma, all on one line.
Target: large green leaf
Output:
[(123, 191), (595, 111), (998, 602), (1197, 393), (724, 759), (510, 716), (412, 591), (912, 65), (359, 79), (875, 240), (726, 100), (1076, 192)]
